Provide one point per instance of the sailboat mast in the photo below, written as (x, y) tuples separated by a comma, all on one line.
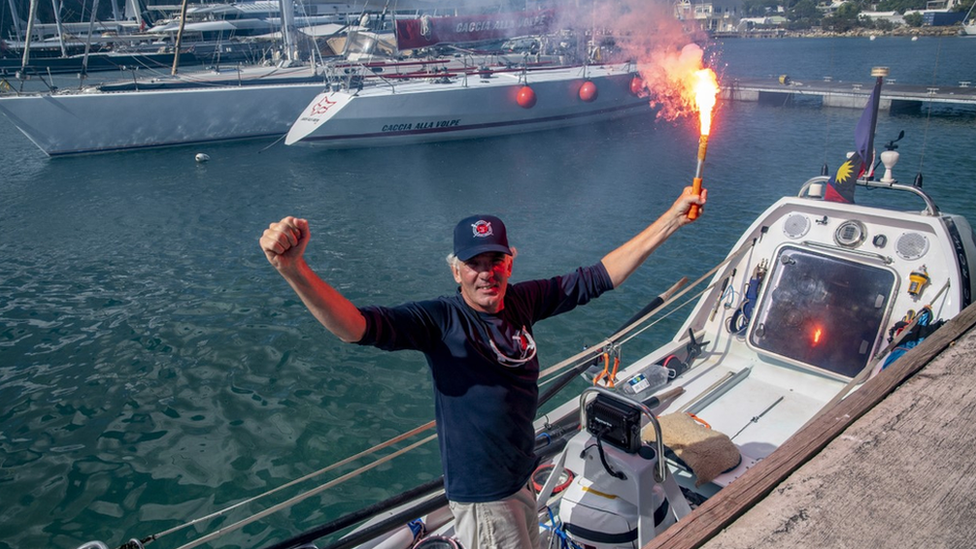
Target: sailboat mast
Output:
[(179, 39), (56, 5), (32, 14), (132, 6), (91, 28), (288, 30), (15, 18), (115, 12)]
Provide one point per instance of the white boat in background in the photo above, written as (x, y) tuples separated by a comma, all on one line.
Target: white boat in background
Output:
[(95, 121), (186, 108), (194, 108), (468, 104), (210, 33), (177, 109), (265, 101), (474, 100)]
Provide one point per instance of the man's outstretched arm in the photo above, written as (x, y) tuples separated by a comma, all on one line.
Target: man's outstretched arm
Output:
[(623, 261), (284, 244)]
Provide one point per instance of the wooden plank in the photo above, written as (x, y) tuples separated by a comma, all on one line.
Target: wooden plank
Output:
[(901, 476), (731, 502)]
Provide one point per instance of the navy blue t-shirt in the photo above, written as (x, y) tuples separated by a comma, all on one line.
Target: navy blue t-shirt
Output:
[(485, 375)]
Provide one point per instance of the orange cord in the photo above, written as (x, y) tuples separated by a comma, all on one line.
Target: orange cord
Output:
[(700, 420), (610, 375)]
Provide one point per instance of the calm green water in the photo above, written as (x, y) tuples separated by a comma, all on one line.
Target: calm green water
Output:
[(154, 368)]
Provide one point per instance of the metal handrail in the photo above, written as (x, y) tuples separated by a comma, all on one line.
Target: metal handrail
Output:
[(930, 206), (661, 472)]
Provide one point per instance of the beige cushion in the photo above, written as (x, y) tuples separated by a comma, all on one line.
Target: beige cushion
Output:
[(706, 451)]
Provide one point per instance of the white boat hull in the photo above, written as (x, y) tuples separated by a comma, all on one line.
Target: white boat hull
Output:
[(63, 124), (464, 107)]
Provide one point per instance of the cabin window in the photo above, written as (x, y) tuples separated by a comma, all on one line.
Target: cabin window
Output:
[(821, 310)]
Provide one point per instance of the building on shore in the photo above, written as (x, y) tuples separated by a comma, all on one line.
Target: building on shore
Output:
[(710, 15)]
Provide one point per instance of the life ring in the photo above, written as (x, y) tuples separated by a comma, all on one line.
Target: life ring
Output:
[(541, 475)]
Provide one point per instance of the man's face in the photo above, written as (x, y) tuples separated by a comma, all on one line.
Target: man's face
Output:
[(483, 280)]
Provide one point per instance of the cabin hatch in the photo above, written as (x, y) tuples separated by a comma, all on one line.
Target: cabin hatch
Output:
[(821, 310)]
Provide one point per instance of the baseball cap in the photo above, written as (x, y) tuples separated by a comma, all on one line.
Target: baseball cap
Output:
[(479, 234)]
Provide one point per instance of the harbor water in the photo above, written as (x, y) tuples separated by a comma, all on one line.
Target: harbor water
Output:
[(154, 368)]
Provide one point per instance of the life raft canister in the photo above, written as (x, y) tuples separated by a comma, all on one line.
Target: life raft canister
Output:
[(605, 521), (438, 542)]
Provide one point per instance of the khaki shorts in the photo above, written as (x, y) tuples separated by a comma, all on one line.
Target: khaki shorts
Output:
[(509, 523)]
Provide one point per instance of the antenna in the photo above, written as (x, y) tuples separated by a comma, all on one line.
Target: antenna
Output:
[(890, 146)]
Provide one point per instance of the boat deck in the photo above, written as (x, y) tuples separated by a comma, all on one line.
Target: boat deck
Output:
[(862, 474)]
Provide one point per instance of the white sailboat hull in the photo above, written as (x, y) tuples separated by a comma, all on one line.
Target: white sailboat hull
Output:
[(113, 121), (465, 107)]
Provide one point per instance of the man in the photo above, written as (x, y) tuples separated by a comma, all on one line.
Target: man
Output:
[(482, 356)]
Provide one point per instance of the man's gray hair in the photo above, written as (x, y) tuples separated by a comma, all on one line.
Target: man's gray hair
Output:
[(454, 263)]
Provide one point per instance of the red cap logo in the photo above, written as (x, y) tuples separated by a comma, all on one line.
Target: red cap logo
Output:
[(482, 229)]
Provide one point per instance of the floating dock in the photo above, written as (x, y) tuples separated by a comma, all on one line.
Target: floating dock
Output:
[(896, 98), (889, 466)]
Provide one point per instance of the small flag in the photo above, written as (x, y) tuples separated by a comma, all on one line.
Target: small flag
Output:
[(840, 188)]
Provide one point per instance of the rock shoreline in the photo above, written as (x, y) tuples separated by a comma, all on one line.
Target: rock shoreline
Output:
[(861, 32)]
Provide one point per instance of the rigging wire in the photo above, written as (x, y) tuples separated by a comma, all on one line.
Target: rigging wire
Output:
[(928, 118), (667, 314), (593, 351), (340, 463), (829, 112), (303, 496)]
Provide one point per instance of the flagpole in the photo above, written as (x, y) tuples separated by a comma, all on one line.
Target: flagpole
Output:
[(860, 163), (879, 73)]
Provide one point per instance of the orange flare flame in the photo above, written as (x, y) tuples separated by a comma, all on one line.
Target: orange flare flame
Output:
[(706, 91), (679, 84)]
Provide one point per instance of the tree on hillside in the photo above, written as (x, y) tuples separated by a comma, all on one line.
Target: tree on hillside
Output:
[(914, 19), (805, 9), (804, 15), (901, 6), (758, 8), (965, 5), (844, 19), (883, 25)]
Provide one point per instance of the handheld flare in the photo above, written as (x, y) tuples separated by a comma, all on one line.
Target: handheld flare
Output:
[(706, 89), (696, 183)]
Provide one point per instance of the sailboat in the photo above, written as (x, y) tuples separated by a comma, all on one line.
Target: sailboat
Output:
[(472, 101), (180, 109), (209, 33), (265, 101), (82, 47)]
